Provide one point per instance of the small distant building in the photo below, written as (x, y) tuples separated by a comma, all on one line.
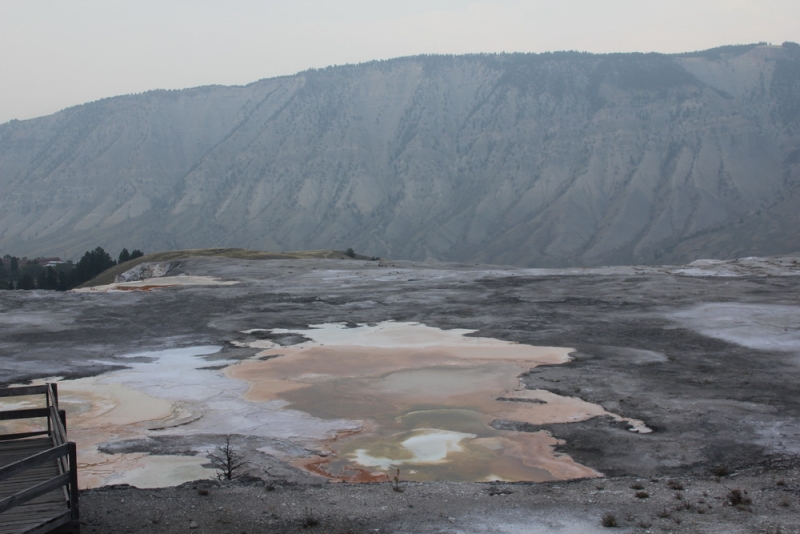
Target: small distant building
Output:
[(48, 262)]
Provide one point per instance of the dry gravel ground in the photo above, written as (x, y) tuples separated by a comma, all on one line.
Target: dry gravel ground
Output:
[(770, 501)]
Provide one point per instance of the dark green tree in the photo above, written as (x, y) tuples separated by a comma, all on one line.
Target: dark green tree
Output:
[(41, 280), (14, 268), (124, 256), (31, 268), (350, 252), (65, 280), (47, 279), (91, 264), (136, 254), (26, 282)]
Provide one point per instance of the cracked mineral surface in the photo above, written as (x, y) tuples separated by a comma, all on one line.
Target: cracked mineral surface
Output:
[(351, 369)]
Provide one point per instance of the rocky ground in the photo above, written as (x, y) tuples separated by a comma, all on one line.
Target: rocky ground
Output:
[(706, 355), (762, 499)]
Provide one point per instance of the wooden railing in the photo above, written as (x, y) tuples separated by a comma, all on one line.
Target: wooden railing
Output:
[(62, 452)]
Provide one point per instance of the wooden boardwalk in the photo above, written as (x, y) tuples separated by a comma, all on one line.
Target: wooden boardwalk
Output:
[(38, 483)]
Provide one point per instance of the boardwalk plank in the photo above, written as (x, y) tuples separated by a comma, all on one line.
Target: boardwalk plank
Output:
[(50, 510)]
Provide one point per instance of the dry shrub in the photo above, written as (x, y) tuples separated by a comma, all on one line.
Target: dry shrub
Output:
[(609, 520), (738, 498), (674, 484), (683, 505), (721, 471), (309, 519)]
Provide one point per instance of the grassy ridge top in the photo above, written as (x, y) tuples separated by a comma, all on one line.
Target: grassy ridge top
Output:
[(108, 276)]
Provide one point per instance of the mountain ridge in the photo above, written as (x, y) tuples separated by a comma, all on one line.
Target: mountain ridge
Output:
[(551, 159)]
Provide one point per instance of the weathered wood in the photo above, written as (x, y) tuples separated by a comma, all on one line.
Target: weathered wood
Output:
[(26, 445), (34, 461), (23, 390), (38, 470), (53, 524), (31, 493), (73, 480), (32, 514), (26, 413), (38, 527), (59, 432), (21, 435)]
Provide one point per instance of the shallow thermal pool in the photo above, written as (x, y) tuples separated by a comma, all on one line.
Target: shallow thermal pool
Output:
[(366, 401)]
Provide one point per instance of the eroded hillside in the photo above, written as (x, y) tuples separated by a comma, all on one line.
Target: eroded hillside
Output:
[(538, 160)]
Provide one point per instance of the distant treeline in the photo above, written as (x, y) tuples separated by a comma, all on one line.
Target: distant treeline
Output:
[(16, 273)]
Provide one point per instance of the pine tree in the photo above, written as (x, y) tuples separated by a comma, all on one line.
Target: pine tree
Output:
[(26, 282)]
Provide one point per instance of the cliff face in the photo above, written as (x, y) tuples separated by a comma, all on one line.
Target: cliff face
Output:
[(540, 160)]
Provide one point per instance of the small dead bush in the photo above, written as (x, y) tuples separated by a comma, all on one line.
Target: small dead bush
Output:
[(309, 519), (637, 486), (721, 471), (494, 490), (642, 495), (738, 498), (609, 520), (664, 514), (683, 505), (674, 484), (396, 482)]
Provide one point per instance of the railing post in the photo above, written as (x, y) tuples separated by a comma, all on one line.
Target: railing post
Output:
[(47, 403), (62, 414), (73, 481)]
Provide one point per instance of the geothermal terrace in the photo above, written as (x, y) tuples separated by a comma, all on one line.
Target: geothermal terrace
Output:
[(346, 370)]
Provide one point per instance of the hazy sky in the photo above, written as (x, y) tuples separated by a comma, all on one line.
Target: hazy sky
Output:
[(58, 53)]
